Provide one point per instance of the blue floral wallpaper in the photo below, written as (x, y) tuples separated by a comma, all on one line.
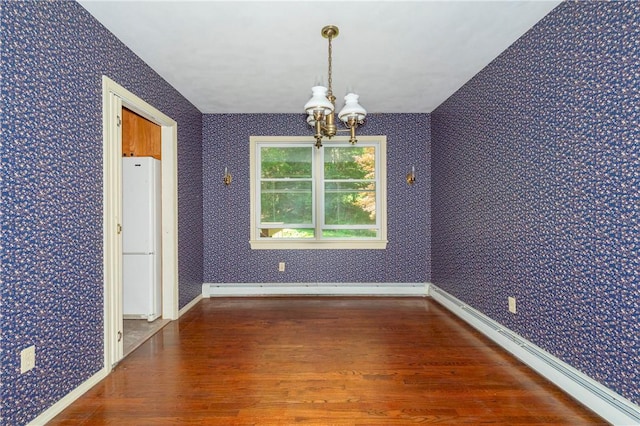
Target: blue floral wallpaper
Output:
[(228, 256), (535, 186), (536, 190), (53, 57)]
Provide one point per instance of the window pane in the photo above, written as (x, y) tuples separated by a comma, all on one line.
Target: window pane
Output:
[(286, 202), (350, 203), (350, 162), (308, 198), (287, 233), (349, 233), (279, 162)]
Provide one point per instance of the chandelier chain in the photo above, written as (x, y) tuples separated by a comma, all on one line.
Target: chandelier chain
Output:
[(330, 94)]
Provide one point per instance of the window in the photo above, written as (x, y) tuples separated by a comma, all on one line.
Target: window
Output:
[(308, 198)]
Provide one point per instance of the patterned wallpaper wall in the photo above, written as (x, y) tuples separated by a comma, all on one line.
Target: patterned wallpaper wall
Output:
[(53, 56), (536, 190), (228, 256)]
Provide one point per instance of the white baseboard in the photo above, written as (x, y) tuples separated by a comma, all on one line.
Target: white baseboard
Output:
[(189, 305), (609, 405), (313, 289), (67, 400), (57, 408)]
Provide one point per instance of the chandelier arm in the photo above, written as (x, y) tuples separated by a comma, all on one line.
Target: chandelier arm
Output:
[(319, 127), (352, 127)]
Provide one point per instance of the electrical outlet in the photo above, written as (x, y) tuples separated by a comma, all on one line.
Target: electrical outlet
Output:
[(281, 267), (27, 359), (512, 305)]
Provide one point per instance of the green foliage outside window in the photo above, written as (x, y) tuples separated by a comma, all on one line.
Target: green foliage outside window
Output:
[(287, 199)]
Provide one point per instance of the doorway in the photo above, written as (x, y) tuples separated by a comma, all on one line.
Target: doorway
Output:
[(115, 97), (141, 233)]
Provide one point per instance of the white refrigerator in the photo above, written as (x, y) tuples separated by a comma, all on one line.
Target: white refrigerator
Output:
[(141, 238)]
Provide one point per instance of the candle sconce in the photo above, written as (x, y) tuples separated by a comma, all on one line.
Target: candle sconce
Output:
[(227, 177), (411, 176)]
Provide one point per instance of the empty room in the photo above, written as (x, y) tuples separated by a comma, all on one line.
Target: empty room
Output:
[(318, 212)]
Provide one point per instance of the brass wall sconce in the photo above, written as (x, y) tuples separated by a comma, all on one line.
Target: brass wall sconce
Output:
[(227, 177), (411, 176)]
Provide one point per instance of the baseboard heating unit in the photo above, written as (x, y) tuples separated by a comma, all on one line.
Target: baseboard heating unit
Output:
[(603, 401), (313, 289)]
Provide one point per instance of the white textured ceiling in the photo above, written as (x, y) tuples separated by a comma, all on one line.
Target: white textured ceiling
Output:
[(263, 57)]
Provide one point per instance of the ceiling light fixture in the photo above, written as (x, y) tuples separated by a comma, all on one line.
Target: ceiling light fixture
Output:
[(321, 106)]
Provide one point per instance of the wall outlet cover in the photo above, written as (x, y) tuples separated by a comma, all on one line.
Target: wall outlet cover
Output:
[(27, 359)]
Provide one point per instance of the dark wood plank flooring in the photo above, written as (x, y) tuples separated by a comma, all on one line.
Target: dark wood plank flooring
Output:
[(322, 361)]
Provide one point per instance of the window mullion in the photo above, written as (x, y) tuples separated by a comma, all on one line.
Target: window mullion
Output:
[(318, 182)]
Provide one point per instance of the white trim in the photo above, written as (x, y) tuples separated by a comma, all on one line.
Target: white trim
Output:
[(608, 404), (76, 393), (114, 97), (68, 399), (313, 289), (378, 243), (282, 244), (189, 305), (112, 209), (170, 294)]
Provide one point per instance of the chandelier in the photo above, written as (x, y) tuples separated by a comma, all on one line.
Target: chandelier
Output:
[(321, 106)]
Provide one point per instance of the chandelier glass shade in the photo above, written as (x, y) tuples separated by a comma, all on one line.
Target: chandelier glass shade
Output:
[(320, 108)]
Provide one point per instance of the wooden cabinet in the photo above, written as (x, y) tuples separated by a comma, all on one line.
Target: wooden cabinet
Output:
[(140, 137)]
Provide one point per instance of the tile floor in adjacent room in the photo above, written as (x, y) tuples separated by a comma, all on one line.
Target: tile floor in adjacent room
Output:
[(137, 331)]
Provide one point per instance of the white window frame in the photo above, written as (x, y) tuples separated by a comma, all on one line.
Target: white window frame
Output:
[(258, 243)]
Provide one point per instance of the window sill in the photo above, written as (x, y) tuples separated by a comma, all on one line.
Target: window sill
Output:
[(317, 245)]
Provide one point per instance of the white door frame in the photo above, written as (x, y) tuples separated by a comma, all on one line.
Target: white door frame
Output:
[(114, 97)]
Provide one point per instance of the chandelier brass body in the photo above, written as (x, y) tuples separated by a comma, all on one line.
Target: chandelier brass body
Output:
[(322, 115)]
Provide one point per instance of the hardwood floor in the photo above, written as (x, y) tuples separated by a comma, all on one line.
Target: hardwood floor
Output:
[(322, 361)]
